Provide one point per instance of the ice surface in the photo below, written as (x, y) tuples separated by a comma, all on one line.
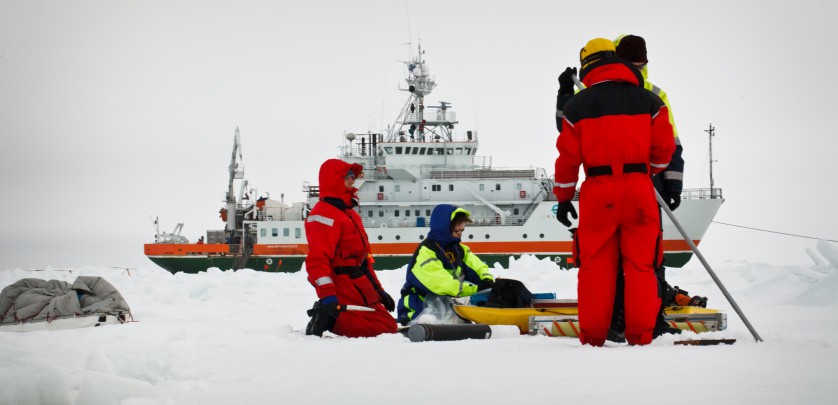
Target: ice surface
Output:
[(225, 337)]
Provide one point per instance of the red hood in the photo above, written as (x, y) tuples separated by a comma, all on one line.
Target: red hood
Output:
[(332, 173), (615, 71)]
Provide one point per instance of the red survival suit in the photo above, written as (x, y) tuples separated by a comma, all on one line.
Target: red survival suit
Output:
[(339, 261), (619, 132)]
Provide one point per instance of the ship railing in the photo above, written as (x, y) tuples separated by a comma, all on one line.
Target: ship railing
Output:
[(686, 194), (432, 116), (430, 136), (412, 222), (441, 174), (534, 202), (311, 191), (701, 193), (482, 161), (552, 197)]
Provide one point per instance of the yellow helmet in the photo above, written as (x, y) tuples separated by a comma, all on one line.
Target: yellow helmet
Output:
[(595, 50)]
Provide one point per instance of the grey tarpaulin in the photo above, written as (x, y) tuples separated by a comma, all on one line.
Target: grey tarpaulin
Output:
[(36, 300)]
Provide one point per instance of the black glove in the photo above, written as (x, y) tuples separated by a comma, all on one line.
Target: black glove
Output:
[(566, 207), (698, 302), (387, 301), (485, 284), (566, 81), (323, 315), (673, 200)]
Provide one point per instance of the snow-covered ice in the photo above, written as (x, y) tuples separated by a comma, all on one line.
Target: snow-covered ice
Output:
[(224, 337)]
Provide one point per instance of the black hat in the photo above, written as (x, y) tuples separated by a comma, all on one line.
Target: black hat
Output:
[(632, 48)]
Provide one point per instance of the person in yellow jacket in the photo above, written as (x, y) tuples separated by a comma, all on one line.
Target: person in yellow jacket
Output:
[(668, 183), (442, 265)]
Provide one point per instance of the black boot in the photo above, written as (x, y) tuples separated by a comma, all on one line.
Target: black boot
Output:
[(616, 333), (616, 336), (662, 327)]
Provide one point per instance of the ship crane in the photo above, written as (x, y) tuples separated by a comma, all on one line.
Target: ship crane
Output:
[(236, 172)]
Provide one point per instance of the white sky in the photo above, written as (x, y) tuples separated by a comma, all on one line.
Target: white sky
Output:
[(114, 111)]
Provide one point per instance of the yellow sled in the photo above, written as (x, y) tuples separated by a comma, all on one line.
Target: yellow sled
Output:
[(564, 321)]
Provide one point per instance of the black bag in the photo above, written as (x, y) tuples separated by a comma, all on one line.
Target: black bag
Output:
[(509, 293)]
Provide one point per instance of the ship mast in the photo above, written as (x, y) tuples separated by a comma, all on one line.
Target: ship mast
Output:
[(711, 132), (236, 172), (412, 124)]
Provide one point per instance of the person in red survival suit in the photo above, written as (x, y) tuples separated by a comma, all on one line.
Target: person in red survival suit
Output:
[(619, 132), (339, 263)]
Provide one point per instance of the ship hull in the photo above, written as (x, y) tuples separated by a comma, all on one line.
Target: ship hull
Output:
[(195, 264), (291, 264)]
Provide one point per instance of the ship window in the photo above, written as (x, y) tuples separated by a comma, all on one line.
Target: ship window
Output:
[(497, 186), (482, 187), (427, 213), (515, 211), (396, 213), (263, 232), (286, 232), (369, 214), (525, 236), (468, 151), (487, 236), (380, 189), (440, 151), (398, 237), (398, 150), (380, 237), (470, 236), (389, 150), (421, 237), (436, 187), (417, 213), (450, 151), (407, 150), (517, 186), (423, 151), (274, 232), (541, 235), (298, 233), (415, 151), (380, 213), (459, 151), (398, 188), (450, 187)]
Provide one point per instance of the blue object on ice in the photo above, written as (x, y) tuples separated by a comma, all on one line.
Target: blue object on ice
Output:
[(483, 296)]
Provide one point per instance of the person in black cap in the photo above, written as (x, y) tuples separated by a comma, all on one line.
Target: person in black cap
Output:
[(669, 185)]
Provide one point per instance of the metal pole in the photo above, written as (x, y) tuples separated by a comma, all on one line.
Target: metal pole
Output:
[(698, 254), (578, 82)]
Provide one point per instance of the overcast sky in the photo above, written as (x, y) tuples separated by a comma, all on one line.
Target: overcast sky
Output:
[(111, 111)]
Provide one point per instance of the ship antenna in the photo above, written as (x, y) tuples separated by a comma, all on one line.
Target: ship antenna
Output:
[(711, 132), (409, 34)]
